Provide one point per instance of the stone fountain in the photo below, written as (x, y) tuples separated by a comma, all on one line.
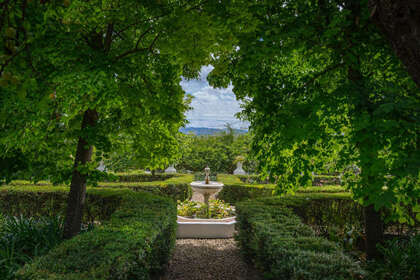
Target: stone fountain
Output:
[(206, 228), (206, 187)]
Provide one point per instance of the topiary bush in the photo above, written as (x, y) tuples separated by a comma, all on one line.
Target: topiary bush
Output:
[(235, 190), (325, 180), (39, 201), (233, 193), (274, 238), (401, 260), (176, 187), (135, 242), (122, 177)]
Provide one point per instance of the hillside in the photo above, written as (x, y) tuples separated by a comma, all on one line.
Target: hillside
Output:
[(207, 130)]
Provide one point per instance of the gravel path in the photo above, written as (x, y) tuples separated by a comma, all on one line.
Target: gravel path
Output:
[(208, 259)]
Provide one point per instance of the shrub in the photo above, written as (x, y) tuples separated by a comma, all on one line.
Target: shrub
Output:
[(234, 193), (217, 209), (401, 260), (252, 179), (201, 176), (135, 242), (176, 187), (324, 180), (282, 247), (235, 190), (38, 201), (22, 238), (143, 177)]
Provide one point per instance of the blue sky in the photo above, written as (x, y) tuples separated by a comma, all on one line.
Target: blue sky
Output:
[(212, 107)]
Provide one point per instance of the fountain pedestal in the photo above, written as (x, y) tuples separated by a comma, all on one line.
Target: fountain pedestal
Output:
[(206, 189)]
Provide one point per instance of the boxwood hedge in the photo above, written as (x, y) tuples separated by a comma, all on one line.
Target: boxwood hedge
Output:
[(235, 190), (176, 187), (143, 177), (281, 246), (134, 240)]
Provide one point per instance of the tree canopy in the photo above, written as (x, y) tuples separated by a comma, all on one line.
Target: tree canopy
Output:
[(82, 72), (318, 78)]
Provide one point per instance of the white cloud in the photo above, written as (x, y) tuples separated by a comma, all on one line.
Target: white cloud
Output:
[(212, 107)]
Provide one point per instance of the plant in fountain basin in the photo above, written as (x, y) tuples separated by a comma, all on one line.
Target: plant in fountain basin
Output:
[(187, 208), (217, 209)]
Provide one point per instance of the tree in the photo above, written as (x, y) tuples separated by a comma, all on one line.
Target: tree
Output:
[(217, 151), (399, 23), (78, 72), (317, 76)]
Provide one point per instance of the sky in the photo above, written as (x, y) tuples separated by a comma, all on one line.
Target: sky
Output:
[(212, 107)]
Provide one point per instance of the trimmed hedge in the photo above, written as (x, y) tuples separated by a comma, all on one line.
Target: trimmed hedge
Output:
[(235, 191), (143, 177), (282, 247), (176, 187), (325, 180), (36, 201), (252, 179), (135, 241)]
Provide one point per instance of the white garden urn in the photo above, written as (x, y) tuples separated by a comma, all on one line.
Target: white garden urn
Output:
[(101, 166), (170, 169), (239, 170)]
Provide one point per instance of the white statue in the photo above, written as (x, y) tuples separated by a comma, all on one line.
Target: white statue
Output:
[(170, 169)]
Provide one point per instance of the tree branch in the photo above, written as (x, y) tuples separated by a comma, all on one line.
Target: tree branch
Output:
[(323, 72), (142, 36), (136, 49), (4, 65), (108, 37)]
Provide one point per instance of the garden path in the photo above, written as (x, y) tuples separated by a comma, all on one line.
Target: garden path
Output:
[(208, 259)]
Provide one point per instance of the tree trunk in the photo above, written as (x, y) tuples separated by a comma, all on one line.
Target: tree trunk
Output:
[(76, 197), (374, 231), (399, 21), (373, 222)]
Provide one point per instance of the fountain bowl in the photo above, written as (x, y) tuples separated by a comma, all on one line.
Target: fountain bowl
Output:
[(206, 189)]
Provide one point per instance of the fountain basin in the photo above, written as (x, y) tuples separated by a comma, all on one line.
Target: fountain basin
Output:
[(205, 228)]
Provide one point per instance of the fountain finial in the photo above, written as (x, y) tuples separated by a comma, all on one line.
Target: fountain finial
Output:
[(207, 171)]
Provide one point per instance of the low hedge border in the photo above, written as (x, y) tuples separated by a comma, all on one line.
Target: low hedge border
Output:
[(134, 243), (176, 187), (235, 191), (36, 201), (123, 177), (325, 180), (282, 247)]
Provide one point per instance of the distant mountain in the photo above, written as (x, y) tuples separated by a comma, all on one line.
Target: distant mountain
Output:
[(207, 130)]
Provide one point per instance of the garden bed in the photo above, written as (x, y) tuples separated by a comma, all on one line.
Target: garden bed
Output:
[(134, 241), (282, 247)]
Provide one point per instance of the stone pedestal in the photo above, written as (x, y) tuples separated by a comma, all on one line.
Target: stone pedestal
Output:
[(170, 169), (239, 170)]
